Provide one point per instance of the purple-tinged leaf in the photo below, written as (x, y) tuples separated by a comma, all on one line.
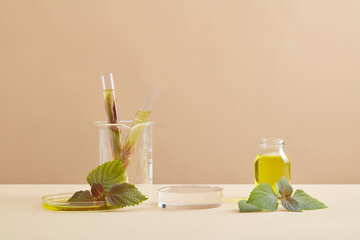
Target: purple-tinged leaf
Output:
[(123, 195), (81, 196), (97, 190), (290, 204)]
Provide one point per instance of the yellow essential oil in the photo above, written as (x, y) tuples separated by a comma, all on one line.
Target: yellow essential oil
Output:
[(141, 117), (110, 105), (74, 208), (269, 169), (59, 202), (112, 115), (133, 136)]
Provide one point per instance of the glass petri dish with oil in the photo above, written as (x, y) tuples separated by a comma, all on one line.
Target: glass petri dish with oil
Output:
[(59, 202)]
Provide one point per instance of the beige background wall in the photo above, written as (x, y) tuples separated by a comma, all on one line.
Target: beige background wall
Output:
[(230, 72)]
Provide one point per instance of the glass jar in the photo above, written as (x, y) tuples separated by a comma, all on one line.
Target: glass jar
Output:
[(271, 163), (139, 166)]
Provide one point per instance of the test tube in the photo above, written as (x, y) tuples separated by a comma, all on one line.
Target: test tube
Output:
[(112, 115), (135, 131)]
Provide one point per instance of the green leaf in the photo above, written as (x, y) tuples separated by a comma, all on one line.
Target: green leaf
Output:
[(277, 191), (123, 195), (307, 202), (246, 207), (284, 188), (290, 204), (107, 174), (263, 197), (81, 196)]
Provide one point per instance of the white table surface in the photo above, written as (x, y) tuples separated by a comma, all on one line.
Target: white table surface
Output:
[(23, 217)]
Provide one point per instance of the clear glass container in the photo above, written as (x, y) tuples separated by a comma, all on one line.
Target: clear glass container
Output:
[(271, 163), (139, 167), (59, 202), (190, 197)]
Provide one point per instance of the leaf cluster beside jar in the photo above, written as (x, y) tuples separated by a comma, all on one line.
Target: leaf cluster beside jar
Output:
[(263, 197)]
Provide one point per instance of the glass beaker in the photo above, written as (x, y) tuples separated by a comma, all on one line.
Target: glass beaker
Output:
[(139, 167), (271, 163)]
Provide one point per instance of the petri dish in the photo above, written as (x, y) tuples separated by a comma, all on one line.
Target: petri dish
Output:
[(59, 202), (190, 197)]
